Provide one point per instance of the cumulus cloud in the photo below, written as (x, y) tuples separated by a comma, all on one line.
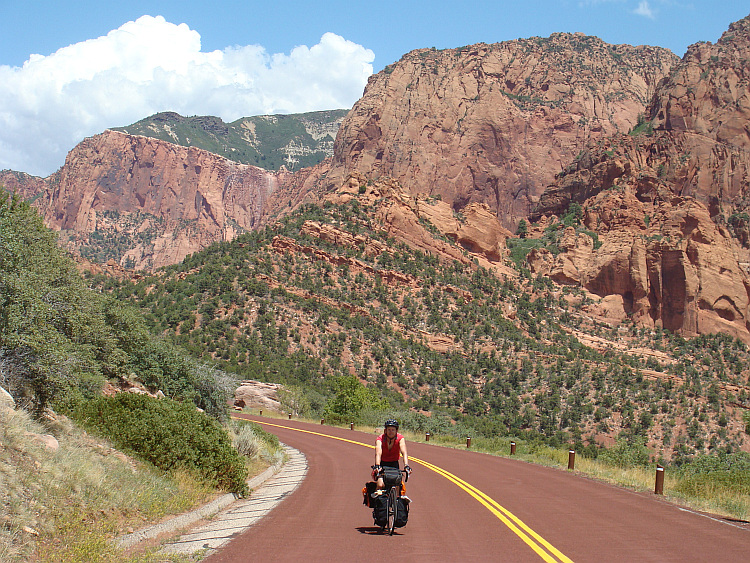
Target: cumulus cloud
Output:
[(149, 65)]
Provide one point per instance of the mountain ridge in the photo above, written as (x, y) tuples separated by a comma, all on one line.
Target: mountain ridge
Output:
[(293, 141)]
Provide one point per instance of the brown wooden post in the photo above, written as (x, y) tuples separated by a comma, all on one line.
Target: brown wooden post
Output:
[(659, 486), (468, 441), (512, 448), (427, 437), (260, 413), (322, 420), (571, 459), (290, 416), (351, 426)]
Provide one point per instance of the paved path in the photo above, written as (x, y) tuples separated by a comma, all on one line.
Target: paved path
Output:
[(471, 507), (245, 512)]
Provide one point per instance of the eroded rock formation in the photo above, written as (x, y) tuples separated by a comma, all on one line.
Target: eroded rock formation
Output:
[(493, 124), (669, 202), (170, 201)]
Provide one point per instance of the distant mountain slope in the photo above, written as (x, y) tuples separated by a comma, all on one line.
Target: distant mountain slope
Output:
[(269, 141)]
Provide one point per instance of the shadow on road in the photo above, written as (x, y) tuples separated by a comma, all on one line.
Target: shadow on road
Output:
[(372, 530)]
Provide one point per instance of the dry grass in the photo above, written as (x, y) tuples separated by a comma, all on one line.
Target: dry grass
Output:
[(66, 505)]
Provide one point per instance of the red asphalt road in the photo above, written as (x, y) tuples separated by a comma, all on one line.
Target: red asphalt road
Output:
[(324, 519)]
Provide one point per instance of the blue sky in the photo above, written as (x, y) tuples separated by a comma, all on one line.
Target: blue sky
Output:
[(99, 64)]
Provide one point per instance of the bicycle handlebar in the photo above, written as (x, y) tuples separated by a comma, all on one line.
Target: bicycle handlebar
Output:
[(380, 471)]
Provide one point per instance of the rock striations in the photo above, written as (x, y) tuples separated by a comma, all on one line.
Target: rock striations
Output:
[(494, 123), (168, 200), (669, 201)]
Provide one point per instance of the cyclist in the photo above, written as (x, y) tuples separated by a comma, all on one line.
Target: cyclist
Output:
[(388, 448)]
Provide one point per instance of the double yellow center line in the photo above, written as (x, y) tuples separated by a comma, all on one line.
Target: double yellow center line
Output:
[(542, 547)]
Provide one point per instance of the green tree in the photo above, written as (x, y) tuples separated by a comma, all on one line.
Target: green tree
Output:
[(523, 228), (350, 398), (45, 314)]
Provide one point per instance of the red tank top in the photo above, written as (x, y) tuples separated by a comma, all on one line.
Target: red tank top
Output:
[(390, 454)]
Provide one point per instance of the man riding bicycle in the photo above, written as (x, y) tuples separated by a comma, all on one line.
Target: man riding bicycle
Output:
[(388, 448)]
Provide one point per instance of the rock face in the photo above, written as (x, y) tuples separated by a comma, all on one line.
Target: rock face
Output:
[(6, 400), (25, 185), (669, 202), (493, 124), (256, 394), (403, 216), (167, 201), (663, 259)]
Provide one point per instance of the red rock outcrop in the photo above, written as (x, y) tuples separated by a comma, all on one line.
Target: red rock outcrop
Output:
[(407, 218), (695, 140), (665, 260), (25, 185), (186, 198), (666, 201), (493, 124)]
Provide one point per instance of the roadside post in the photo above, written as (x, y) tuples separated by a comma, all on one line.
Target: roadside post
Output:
[(659, 486), (512, 448), (571, 459)]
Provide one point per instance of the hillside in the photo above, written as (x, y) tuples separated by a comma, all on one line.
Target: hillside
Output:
[(333, 291), (293, 141)]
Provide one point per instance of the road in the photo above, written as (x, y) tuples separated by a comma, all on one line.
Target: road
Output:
[(469, 506)]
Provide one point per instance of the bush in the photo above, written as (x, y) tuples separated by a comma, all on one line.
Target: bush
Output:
[(169, 435), (627, 453), (251, 441)]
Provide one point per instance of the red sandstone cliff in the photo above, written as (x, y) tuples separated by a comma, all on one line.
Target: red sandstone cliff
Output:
[(493, 124), (669, 203), (168, 200)]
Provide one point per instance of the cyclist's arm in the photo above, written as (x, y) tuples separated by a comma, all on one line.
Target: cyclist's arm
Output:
[(378, 451), (403, 451)]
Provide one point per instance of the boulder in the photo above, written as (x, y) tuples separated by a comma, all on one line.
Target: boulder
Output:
[(258, 395), (6, 400)]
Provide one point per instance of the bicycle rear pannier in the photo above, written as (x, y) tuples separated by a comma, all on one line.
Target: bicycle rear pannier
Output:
[(380, 510), (402, 514), (367, 490)]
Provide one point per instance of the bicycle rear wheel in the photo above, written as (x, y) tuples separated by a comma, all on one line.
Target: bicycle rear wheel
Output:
[(392, 510)]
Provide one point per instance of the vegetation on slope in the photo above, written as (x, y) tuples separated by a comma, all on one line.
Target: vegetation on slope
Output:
[(60, 343), (482, 354), (269, 141)]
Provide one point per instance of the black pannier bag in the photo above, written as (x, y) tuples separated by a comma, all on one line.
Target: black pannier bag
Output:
[(380, 510), (369, 488), (402, 514)]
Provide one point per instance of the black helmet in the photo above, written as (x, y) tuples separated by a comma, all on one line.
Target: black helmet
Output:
[(390, 422)]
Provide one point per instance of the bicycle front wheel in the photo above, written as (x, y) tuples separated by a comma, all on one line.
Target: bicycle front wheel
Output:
[(392, 509)]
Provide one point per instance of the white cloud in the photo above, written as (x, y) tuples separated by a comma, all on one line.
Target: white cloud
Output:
[(149, 65), (644, 9)]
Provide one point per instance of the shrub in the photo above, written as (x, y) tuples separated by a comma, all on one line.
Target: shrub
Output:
[(627, 453), (713, 475), (169, 435), (251, 441)]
